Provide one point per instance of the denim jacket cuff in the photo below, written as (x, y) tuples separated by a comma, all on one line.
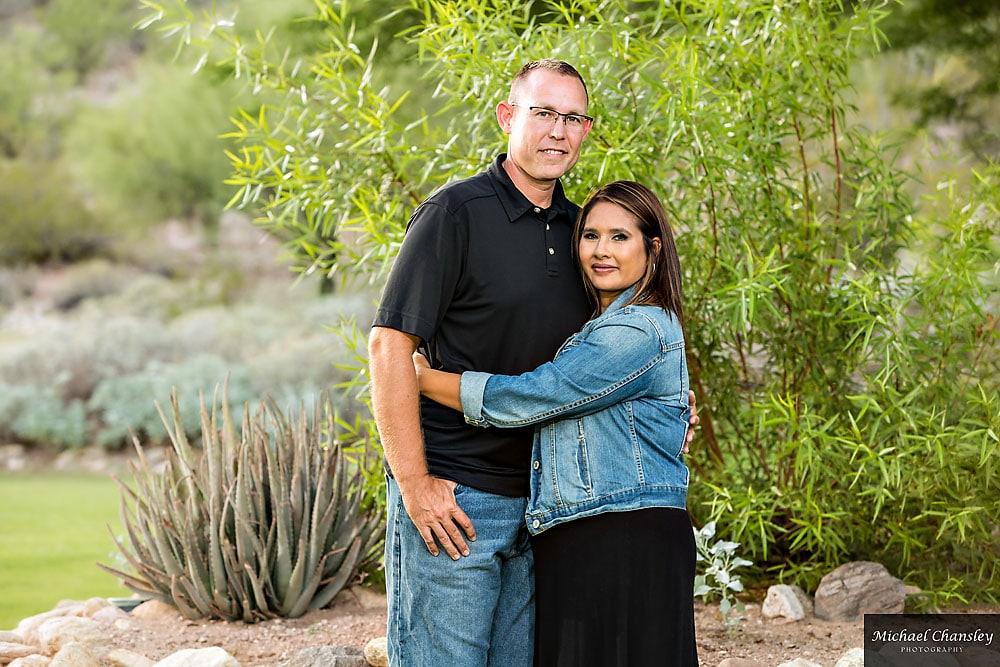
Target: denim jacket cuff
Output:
[(473, 386)]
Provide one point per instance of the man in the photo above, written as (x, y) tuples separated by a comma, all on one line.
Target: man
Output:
[(485, 280)]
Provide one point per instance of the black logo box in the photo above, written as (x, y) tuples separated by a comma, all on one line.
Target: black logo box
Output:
[(932, 640)]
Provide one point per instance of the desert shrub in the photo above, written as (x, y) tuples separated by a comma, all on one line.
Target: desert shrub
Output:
[(43, 218), (87, 29), (156, 152), (831, 388), (271, 520), (77, 354), (127, 403), (39, 415), (91, 280), (131, 337)]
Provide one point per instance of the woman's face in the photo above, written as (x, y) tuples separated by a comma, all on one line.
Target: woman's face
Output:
[(612, 251)]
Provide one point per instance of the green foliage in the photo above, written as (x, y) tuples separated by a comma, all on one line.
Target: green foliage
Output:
[(43, 219), (269, 521), (155, 153), (86, 29), (959, 41), (24, 77), (841, 339)]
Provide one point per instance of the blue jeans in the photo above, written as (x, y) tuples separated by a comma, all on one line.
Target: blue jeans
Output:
[(477, 611)]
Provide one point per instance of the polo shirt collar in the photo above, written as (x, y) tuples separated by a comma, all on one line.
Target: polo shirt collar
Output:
[(514, 203)]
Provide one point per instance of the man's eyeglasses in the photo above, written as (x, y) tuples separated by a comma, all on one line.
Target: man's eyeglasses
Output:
[(544, 115)]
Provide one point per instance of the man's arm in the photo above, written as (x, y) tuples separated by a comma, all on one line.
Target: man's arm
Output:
[(429, 501)]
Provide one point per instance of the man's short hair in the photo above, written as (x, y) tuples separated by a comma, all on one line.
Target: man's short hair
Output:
[(551, 64)]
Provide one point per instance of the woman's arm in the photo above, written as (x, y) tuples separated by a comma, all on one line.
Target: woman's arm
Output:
[(439, 386)]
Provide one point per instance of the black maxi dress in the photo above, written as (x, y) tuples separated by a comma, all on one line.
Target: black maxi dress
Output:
[(616, 590)]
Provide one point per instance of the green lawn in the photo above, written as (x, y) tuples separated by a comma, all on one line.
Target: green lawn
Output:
[(53, 529)]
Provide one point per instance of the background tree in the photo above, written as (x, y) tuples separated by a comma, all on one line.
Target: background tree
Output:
[(848, 388), (956, 42)]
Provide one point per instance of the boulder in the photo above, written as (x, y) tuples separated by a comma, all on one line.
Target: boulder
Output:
[(789, 602), (859, 588)]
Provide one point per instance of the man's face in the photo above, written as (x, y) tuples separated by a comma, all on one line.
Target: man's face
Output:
[(542, 145)]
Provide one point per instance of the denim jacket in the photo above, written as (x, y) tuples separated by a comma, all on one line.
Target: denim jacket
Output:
[(611, 414)]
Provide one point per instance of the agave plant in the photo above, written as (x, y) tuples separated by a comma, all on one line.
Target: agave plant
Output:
[(271, 521)]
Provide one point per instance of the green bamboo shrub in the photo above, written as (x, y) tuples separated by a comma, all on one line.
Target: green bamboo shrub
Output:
[(842, 337), (270, 520)]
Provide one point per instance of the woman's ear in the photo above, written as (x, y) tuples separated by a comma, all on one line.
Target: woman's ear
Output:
[(655, 246)]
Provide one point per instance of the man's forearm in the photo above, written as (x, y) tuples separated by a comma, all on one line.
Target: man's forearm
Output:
[(396, 401)]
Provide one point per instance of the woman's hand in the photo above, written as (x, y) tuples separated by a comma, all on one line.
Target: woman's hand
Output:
[(420, 362)]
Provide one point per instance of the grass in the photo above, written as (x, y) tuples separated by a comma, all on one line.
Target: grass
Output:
[(53, 529)]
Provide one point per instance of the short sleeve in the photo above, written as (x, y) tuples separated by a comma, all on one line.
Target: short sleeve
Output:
[(425, 276)]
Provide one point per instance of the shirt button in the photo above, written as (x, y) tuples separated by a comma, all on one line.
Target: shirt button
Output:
[(547, 228), (536, 523), (538, 210), (536, 465), (552, 251)]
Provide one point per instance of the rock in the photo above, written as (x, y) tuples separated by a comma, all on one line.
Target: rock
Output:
[(213, 656), (31, 661), (855, 657), (377, 653), (328, 656), (738, 662), (12, 650), (119, 657), (29, 627), (57, 632), (75, 654), (859, 588), (800, 662), (786, 602), (155, 609)]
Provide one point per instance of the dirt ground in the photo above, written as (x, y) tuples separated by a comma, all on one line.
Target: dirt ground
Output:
[(359, 615)]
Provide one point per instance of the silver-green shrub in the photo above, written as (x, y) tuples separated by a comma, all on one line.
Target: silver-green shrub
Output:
[(39, 414), (267, 520)]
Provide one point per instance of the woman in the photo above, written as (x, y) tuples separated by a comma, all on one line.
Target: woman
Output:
[(613, 544)]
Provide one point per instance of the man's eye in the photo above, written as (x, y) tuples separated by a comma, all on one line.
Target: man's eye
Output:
[(542, 113), (573, 120)]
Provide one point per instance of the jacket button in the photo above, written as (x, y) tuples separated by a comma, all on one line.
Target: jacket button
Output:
[(536, 465), (536, 523)]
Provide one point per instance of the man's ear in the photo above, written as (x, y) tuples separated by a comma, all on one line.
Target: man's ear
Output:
[(505, 116)]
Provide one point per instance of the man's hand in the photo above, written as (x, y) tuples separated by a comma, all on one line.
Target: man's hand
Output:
[(693, 421), (430, 503)]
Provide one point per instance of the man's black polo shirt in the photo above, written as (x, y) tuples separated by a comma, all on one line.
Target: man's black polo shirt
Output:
[(488, 282)]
